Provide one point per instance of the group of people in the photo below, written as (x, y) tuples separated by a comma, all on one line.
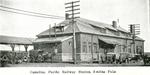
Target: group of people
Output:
[(114, 59)]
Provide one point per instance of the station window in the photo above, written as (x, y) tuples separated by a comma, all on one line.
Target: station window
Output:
[(89, 47), (70, 43), (84, 47), (95, 48), (138, 49), (124, 48), (129, 49)]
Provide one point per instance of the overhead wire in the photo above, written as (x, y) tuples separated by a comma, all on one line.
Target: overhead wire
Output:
[(31, 13), (28, 14)]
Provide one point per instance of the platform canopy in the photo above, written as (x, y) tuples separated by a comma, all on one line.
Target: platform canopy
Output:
[(15, 40), (109, 41)]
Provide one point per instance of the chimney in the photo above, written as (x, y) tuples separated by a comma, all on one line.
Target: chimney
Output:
[(114, 24)]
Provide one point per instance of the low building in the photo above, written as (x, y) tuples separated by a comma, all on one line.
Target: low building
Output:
[(94, 41)]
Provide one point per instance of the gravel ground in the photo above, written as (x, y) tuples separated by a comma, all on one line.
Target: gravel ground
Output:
[(72, 65)]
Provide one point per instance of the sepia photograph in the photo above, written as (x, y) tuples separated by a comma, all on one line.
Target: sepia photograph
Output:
[(74, 34)]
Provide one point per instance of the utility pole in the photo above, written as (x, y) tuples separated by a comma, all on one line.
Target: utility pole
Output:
[(72, 8), (55, 37), (49, 42), (134, 30), (49, 31), (55, 30)]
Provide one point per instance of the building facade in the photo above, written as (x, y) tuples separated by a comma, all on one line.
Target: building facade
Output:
[(94, 41)]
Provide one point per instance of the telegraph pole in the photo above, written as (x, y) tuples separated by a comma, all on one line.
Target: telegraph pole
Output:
[(72, 8), (55, 30), (55, 36), (49, 31), (134, 30)]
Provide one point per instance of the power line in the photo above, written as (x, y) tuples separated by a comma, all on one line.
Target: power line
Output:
[(28, 14), (31, 13)]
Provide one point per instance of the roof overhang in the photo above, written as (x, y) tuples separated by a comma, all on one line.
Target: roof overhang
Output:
[(52, 39)]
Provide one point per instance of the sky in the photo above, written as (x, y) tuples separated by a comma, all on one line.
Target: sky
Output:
[(127, 11)]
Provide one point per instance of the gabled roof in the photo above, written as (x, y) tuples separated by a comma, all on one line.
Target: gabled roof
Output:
[(82, 25), (15, 40), (86, 26)]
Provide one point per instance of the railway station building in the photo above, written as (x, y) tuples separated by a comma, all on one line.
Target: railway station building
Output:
[(94, 41)]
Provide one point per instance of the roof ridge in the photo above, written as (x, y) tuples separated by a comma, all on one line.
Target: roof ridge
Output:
[(95, 21), (106, 25)]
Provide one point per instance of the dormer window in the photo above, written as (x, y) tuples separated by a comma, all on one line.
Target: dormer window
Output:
[(117, 33), (58, 28), (102, 30)]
